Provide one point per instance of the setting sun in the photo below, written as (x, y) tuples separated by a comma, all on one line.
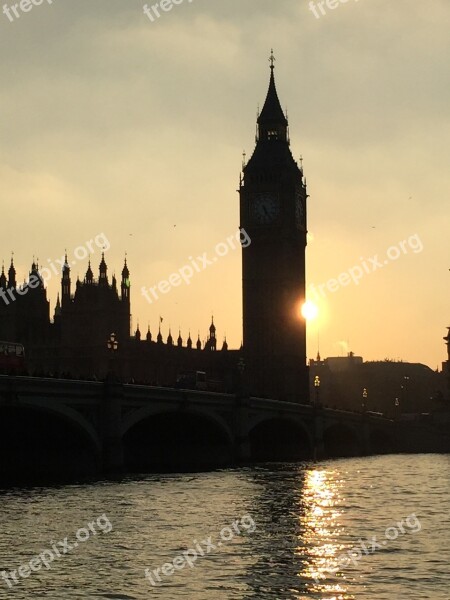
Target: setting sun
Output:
[(309, 310)]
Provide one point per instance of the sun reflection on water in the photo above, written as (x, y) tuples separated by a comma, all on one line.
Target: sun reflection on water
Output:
[(321, 529)]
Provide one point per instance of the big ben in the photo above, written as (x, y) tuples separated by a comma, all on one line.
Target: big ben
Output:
[(273, 212)]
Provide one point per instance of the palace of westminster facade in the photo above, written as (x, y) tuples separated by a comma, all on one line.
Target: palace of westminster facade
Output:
[(272, 360)]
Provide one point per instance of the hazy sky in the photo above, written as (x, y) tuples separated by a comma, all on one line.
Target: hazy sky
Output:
[(115, 124)]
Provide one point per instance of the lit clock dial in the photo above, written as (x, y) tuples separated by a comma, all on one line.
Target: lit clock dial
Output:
[(264, 208)]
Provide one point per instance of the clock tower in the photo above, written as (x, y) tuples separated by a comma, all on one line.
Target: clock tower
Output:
[(273, 213)]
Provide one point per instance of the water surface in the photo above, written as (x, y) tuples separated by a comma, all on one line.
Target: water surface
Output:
[(373, 528)]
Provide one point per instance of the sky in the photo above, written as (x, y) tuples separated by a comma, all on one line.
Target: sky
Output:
[(130, 132)]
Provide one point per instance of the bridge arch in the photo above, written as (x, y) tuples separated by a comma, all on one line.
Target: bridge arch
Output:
[(157, 439), (37, 440), (72, 416), (279, 438), (342, 440), (380, 441)]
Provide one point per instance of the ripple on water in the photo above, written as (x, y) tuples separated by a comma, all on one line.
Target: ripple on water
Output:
[(308, 518)]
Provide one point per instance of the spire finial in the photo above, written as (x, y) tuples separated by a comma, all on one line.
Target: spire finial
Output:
[(272, 60)]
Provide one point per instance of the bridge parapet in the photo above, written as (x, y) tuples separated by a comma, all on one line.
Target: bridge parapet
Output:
[(107, 411)]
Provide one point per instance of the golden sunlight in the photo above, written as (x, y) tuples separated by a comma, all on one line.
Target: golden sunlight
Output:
[(309, 310)]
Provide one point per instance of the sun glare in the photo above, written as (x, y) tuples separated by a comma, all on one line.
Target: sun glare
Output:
[(309, 310)]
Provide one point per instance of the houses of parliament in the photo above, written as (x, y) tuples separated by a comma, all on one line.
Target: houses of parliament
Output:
[(76, 341)]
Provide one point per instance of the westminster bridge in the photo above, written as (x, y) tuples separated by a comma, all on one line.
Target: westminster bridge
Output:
[(70, 426)]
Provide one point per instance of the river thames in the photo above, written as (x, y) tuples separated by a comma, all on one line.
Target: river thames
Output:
[(373, 528)]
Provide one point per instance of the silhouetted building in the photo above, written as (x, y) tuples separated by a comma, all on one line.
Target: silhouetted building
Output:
[(388, 387), (90, 333), (88, 316), (273, 213), (76, 344), (25, 310)]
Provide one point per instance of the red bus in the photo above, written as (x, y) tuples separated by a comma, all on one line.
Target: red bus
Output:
[(12, 357)]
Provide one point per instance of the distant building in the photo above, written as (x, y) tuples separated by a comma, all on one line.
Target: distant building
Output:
[(338, 364), (446, 364), (378, 386)]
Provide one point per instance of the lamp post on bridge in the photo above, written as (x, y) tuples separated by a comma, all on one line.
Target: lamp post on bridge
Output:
[(397, 408), (364, 400), (112, 344), (111, 425), (317, 421), (317, 389)]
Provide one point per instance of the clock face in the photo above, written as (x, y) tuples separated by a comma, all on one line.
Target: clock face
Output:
[(264, 208), (299, 210)]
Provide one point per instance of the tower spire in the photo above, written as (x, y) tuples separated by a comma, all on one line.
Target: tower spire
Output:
[(272, 149), (103, 270), (89, 278), (3, 282), (125, 283), (65, 283), (57, 308), (272, 122), (12, 273)]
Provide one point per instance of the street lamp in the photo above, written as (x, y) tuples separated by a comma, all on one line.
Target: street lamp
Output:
[(397, 407), (364, 399), (112, 344), (317, 388)]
